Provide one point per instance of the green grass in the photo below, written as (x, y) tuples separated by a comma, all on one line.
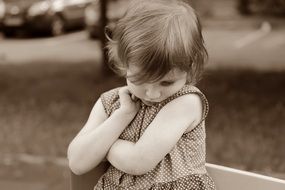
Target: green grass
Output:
[(246, 121), (44, 106)]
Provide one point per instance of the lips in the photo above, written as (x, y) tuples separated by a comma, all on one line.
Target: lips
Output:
[(150, 102)]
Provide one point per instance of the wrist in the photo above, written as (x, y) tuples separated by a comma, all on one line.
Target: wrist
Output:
[(125, 113)]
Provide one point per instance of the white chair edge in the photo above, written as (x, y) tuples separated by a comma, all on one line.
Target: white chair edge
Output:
[(227, 178)]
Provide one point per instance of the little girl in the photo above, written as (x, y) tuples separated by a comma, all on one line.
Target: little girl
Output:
[(152, 130)]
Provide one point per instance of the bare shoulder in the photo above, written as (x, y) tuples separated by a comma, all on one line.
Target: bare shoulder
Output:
[(98, 111), (187, 107), (188, 102), (96, 117)]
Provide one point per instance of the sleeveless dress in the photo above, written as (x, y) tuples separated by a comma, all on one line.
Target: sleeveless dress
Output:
[(181, 169)]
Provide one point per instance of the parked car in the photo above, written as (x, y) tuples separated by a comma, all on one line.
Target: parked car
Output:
[(2, 9), (54, 16), (115, 10), (262, 7)]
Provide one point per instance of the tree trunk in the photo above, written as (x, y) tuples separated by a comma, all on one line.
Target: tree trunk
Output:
[(243, 7), (103, 22)]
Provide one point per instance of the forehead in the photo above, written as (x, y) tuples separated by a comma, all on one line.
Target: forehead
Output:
[(174, 74)]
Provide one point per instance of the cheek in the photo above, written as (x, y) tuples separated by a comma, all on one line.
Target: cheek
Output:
[(170, 91), (175, 88)]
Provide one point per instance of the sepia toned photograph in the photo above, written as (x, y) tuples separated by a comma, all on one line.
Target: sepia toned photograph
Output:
[(142, 94)]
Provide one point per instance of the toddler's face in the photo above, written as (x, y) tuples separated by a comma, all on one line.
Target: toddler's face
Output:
[(157, 91)]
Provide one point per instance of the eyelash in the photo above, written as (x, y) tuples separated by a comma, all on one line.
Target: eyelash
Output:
[(163, 83), (166, 83)]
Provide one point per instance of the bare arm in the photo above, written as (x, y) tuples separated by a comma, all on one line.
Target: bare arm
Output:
[(178, 116), (92, 143)]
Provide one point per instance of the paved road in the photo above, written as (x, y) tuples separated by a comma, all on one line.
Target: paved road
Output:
[(71, 48), (261, 48)]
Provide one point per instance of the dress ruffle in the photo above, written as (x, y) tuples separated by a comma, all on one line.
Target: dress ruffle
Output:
[(191, 182)]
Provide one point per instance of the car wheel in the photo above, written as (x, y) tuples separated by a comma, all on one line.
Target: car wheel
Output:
[(8, 33), (57, 26)]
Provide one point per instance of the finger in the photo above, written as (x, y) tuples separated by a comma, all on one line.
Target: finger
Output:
[(124, 94), (124, 91), (134, 98)]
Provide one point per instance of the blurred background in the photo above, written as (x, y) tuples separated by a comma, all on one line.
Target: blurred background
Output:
[(52, 71)]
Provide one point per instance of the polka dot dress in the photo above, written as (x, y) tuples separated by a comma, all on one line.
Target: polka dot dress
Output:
[(183, 168)]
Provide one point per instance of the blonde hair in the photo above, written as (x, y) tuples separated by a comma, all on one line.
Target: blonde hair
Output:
[(158, 36)]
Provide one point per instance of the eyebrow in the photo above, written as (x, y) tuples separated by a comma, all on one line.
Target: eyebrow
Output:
[(168, 80), (173, 78)]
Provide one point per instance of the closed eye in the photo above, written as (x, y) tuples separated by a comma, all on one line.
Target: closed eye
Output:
[(135, 82), (166, 83)]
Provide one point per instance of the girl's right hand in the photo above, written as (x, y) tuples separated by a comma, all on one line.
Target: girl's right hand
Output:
[(129, 104)]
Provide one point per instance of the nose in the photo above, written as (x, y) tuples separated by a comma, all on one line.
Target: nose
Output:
[(153, 93)]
